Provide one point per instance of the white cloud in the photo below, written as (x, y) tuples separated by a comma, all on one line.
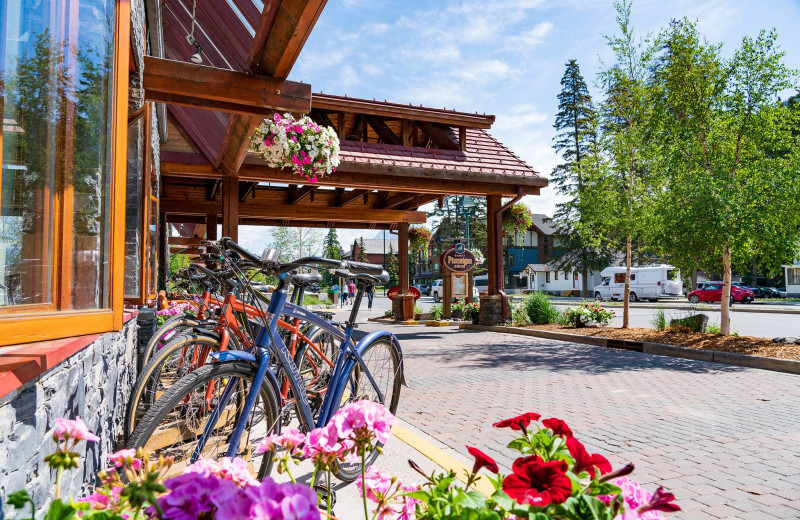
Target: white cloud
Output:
[(536, 35), (484, 71)]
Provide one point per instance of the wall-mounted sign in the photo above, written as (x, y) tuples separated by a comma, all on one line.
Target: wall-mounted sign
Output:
[(391, 293), (459, 262)]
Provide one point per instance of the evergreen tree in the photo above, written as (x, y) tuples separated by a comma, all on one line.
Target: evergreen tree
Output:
[(451, 225), (331, 248), (392, 267), (362, 251), (580, 241)]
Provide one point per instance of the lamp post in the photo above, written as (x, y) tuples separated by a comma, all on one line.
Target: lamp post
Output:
[(466, 206)]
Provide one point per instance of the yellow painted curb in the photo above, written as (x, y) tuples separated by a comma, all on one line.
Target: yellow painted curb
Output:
[(409, 322), (434, 323), (442, 458)]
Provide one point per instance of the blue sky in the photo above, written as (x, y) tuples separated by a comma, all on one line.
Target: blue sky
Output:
[(502, 57)]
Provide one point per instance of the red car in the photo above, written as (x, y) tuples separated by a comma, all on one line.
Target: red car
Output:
[(713, 293)]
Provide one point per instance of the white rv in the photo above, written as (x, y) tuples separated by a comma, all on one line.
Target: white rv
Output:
[(647, 283)]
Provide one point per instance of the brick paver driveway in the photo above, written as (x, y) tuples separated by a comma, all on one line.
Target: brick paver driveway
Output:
[(725, 440)]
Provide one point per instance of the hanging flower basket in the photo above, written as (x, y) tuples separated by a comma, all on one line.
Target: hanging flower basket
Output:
[(517, 218), (420, 237), (312, 151)]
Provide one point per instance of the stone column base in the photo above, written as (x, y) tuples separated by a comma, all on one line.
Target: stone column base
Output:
[(491, 311), (403, 307)]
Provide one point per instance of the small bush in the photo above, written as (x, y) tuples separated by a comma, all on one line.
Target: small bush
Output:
[(659, 321), (582, 315), (539, 309), (471, 309), (436, 312), (389, 313), (713, 328), (418, 309), (518, 314)]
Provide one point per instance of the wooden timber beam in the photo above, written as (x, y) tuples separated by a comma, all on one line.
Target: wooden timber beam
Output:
[(348, 197), (419, 200), (279, 38), (312, 224), (397, 200), (246, 189), (321, 118), (180, 83), (367, 176), (439, 136), (185, 241), (382, 129), (254, 210), (296, 195)]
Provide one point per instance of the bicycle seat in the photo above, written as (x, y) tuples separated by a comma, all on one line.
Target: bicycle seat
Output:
[(374, 279), (306, 279)]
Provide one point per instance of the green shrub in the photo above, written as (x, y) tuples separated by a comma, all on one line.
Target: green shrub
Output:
[(582, 315), (418, 309), (436, 312), (713, 328), (471, 309), (659, 320), (539, 309), (518, 314)]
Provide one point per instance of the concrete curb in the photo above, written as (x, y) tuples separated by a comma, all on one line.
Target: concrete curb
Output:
[(715, 356), (699, 308)]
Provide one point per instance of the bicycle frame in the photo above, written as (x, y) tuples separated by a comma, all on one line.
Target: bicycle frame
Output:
[(268, 342)]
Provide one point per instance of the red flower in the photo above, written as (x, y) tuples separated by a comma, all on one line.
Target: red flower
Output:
[(520, 422), (538, 483), (482, 460), (558, 426), (584, 461)]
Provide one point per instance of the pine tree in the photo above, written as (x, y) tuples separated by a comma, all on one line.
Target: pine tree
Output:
[(362, 251), (331, 248), (392, 267), (580, 243)]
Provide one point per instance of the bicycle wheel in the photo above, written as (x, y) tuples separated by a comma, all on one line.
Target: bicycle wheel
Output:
[(316, 364), (173, 426), (172, 327), (173, 361), (383, 362)]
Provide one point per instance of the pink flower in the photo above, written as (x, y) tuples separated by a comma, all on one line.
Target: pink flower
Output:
[(233, 470), (634, 496), (276, 118), (125, 457), (378, 481), (362, 420), (96, 501), (291, 440), (73, 429), (324, 446)]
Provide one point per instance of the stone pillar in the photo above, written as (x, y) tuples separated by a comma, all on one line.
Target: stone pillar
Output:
[(230, 207)]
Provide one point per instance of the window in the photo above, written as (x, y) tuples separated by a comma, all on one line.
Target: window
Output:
[(793, 275), (58, 166), (619, 277), (633, 276), (556, 273), (547, 276)]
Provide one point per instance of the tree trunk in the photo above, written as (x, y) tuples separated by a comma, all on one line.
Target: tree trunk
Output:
[(585, 282), (627, 294), (693, 280), (725, 311)]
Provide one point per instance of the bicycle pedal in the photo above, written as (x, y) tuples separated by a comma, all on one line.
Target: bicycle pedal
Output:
[(325, 492)]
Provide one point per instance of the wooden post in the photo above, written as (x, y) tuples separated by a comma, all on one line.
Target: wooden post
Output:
[(402, 239), (447, 293), (211, 226), (163, 252), (230, 207), (494, 244), (462, 138)]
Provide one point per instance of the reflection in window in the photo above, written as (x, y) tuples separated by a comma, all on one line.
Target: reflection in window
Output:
[(134, 241), (56, 69)]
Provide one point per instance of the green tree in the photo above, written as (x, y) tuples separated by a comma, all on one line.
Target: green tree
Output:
[(362, 251), (392, 267), (296, 242), (625, 187), (450, 225), (581, 246), (729, 153), (331, 248)]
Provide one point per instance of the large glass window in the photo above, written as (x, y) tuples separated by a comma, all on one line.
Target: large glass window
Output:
[(56, 76), (134, 209), (793, 276)]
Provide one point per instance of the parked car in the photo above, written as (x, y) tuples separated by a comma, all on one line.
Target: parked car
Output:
[(423, 289), (769, 292), (437, 290), (713, 293), (314, 288)]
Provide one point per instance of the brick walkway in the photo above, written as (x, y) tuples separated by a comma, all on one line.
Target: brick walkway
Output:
[(725, 440)]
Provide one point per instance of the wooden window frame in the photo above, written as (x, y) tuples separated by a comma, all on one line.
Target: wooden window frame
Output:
[(41, 322)]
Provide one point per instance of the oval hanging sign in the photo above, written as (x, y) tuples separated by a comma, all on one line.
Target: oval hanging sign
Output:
[(458, 259), (391, 293)]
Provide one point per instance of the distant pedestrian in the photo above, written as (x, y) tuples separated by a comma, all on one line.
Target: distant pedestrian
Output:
[(351, 289), (370, 296), (343, 301)]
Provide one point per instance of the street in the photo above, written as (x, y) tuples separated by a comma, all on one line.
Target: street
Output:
[(758, 324)]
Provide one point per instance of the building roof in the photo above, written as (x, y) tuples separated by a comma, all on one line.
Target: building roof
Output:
[(544, 224), (484, 155), (374, 246)]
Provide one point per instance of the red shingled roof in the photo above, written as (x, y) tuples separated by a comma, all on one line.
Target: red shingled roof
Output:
[(484, 155)]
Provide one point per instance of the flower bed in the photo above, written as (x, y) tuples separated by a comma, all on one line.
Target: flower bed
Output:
[(554, 477)]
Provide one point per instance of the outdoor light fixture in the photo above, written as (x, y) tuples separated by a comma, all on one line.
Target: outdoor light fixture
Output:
[(197, 57)]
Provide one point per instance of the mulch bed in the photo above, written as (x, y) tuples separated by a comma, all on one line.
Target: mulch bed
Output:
[(699, 340)]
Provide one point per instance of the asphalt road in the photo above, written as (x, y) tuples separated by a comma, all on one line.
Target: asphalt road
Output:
[(762, 324)]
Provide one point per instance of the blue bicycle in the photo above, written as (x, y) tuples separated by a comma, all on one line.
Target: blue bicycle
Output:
[(224, 408)]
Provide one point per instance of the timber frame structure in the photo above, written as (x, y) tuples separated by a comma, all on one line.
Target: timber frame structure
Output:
[(394, 157)]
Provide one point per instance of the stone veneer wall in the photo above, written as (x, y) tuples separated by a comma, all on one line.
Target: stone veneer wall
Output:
[(94, 383)]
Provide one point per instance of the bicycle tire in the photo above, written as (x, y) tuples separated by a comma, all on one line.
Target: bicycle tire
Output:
[(149, 384), (156, 427), (387, 372), (163, 330)]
